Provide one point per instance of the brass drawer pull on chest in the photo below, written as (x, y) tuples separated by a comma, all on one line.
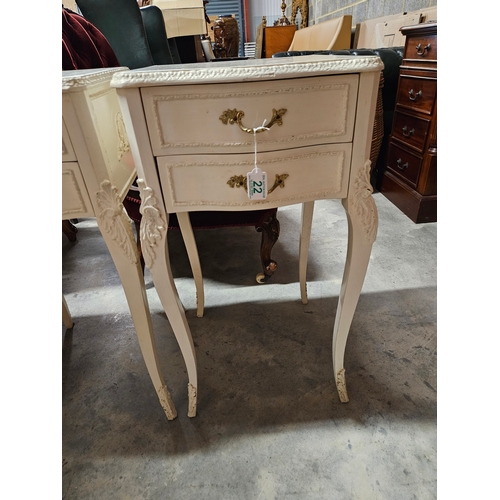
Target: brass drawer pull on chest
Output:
[(234, 116), (413, 96), (402, 167), (406, 133), (426, 48)]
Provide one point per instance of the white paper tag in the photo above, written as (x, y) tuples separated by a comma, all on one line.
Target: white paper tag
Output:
[(257, 184)]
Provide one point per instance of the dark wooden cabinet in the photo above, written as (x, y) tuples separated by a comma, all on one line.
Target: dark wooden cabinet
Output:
[(277, 39), (410, 177)]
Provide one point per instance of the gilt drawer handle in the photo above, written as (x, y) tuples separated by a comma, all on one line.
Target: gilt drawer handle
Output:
[(406, 133), (241, 181), (279, 181), (422, 52), (234, 116), (404, 166), (413, 96)]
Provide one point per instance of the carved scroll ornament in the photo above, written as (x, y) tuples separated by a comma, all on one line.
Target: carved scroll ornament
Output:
[(114, 221), (362, 204), (152, 223)]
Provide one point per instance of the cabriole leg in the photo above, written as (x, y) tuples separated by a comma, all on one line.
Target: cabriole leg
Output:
[(155, 251), (194, 260), (362, 221), (116, 229)]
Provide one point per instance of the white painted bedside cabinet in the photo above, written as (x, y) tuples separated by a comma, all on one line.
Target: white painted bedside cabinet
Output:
[(193, 130), (97, 171)]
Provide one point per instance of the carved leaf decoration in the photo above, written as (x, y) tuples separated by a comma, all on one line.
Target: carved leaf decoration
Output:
[(152, 224), (114, 221), (238, 181), (123, 144), (363, 204)]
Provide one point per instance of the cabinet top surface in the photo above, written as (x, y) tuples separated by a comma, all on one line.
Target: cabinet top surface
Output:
[(77, 80), (245, 70), (419, 29)]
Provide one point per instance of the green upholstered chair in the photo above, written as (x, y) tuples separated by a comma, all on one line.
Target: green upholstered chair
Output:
[(136, 34)]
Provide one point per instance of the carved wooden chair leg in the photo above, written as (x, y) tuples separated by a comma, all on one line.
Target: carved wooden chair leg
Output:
[(69, 230), (270, 229)]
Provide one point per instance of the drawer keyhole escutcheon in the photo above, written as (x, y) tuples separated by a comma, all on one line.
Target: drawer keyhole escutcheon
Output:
[(402, 167), (422, 52), (241, 181), (407, 133), (232, 116), (413, 96)]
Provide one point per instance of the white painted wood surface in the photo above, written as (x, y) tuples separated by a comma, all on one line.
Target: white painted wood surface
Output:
[(179, 173), (97, 173)]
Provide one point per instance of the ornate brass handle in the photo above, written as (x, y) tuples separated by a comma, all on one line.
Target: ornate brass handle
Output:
[(426, 48), (241, 181), (234, 116), (413, 96), (406, 133), (402, 167)]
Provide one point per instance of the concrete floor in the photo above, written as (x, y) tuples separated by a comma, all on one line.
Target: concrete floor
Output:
[(270, 424)]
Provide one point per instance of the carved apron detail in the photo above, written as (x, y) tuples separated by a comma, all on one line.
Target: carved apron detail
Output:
[(152, 223), (114, 220), (123, 144), (362, 204)]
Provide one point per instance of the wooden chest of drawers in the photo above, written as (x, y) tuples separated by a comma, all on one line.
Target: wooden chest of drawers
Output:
[(410, 179)]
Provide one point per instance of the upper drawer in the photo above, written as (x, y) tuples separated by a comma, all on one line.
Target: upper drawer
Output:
[(207, 182), (191, 119), (421, 48), (417, 93)]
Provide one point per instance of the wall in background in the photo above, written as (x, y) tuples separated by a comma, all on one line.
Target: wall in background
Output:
[(322, 10), (362, 10)]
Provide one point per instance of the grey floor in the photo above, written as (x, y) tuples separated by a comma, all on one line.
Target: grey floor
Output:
[(270, 424)]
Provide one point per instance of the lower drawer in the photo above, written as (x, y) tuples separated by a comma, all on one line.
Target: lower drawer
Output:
[(202, 182), (404, 164), (411, 129)]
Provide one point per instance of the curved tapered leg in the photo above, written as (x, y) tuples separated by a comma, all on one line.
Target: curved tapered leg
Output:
[(305, 238), (362, 221), (194, 259), (116, 229), (155, 251)]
